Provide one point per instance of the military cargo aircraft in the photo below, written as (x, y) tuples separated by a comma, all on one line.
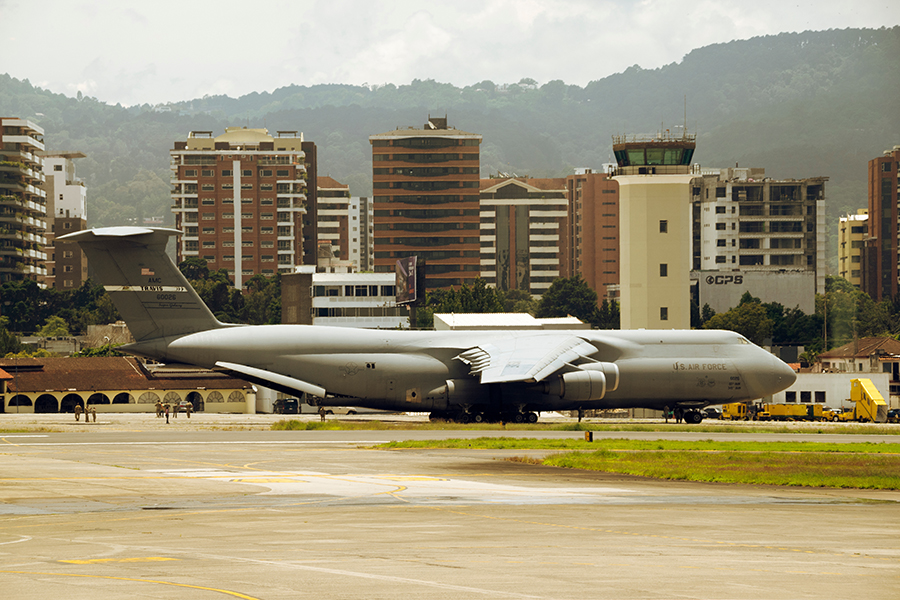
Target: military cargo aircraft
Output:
[(455, 375)]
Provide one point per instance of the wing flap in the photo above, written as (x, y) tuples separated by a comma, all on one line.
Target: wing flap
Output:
[(524, 358)]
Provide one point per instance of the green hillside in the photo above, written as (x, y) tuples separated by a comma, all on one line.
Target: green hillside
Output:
[(798, 104)]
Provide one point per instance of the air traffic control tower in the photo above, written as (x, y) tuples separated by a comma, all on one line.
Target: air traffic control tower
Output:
[(654, 173)]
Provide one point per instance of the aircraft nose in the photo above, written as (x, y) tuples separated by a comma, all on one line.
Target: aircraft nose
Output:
[(783, 376), (770, 376)]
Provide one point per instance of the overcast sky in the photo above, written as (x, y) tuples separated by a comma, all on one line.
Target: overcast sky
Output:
[(169, 50)]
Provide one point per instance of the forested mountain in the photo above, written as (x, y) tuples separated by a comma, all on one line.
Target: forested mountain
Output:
[(798, 104)]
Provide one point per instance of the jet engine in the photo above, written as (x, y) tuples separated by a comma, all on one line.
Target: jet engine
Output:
[(591, 382)]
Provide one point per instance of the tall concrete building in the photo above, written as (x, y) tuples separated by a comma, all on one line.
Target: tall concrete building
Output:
[(66, 213), (594, 231), (852, 232), (245, 200), (880, 272), (524, 233), (754, 233), (426, 192), (23, 209), (334, 215), (362, 233), (655, 177)]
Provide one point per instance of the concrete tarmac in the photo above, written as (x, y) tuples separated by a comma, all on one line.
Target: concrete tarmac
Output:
[(133, 510)]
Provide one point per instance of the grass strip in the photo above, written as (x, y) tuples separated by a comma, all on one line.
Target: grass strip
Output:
[(849, 470), (509, 443), (717, 427)]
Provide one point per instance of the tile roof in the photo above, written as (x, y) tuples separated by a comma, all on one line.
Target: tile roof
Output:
[(863, 348), (327, 183), (106, 373)]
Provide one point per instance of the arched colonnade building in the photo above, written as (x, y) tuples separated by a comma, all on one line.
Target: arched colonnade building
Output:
[(115, 384)]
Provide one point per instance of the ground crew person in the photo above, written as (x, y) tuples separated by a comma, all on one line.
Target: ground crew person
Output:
[(187, 409), (322, 413), (93, 414), (159, 409), (167, 413), (175, 411), (78, 413)]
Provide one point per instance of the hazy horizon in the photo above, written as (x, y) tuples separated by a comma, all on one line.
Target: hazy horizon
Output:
[(135, 53)]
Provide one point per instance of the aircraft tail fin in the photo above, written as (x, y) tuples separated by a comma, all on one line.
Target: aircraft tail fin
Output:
[(149, 291)]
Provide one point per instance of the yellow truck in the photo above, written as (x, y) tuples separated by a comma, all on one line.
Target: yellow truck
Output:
[(790, 412), (736, 411), (868, 403)]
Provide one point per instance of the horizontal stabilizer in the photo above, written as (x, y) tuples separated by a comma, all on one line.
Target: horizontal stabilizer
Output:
[(276, 381)]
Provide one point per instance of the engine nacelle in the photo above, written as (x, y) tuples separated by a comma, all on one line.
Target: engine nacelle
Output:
[(610, 370), (458, 392), (590, 383)]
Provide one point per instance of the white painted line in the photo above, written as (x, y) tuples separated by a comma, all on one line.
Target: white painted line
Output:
[(273, 442), (22, 436)]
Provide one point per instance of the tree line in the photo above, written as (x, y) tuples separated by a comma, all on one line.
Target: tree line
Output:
[(842, 313)]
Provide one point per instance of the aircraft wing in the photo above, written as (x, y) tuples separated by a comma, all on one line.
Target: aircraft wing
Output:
[(524, 358)]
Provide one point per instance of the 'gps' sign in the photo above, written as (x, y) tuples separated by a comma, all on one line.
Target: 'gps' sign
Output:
[(724, 279)]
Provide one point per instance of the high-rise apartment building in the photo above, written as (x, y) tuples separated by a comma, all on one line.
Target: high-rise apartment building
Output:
[(852, 232), (879, 272), (594, 231), (524, 233), (654, 174), (245, 200), (426, 192), (334, 216), (745, 221), (66, 213), (23, 210), (362, 233)]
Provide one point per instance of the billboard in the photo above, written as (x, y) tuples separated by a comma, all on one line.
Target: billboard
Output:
[(722, 290), (406, 280)]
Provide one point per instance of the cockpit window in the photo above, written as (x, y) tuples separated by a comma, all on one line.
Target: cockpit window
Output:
[(743, 340)]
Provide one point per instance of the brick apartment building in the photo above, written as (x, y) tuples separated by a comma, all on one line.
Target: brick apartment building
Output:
[(272, 179), (426, 194), (879, 262)]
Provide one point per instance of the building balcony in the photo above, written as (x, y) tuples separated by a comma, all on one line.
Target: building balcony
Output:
[(26, 141)]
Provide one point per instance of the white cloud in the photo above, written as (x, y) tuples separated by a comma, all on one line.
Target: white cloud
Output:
[(135, 52)]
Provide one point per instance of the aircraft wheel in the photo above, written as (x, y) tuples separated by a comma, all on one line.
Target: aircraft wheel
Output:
[(479, 418), (532, 417), (519, 418)]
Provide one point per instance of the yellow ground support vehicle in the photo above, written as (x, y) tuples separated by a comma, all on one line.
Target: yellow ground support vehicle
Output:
[(869, 404), (736, 411), (790, 412)]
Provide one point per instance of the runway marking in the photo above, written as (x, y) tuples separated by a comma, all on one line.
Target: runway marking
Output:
[(156, 581), (93, 561), (665, 537), (23, 538), (219, 443)]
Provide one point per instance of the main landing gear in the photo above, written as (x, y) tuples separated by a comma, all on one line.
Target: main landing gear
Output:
[(462, 416), (691, 416)]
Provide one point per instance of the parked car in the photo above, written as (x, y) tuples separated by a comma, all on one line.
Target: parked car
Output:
[(893, 415), (713, 412), (287, 406)]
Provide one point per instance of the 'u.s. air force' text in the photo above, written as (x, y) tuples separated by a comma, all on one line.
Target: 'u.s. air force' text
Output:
[(700, 366)]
